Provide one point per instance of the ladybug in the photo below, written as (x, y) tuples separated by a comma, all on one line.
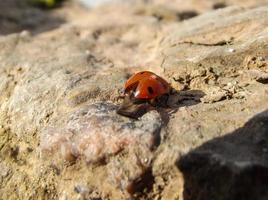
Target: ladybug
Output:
[(142, 91), (146, 85)]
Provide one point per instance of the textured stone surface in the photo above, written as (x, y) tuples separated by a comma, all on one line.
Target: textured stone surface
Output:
[(237, 162), (96, 132), (60, 137)]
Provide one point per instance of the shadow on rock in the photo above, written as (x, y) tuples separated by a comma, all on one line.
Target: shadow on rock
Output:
[(186, 15), (180, 99), (16, 16), (231, 167), (165, 105), (185, 98)]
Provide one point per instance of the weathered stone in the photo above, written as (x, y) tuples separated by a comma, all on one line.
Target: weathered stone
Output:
[(230, 167), (60, 89), (97, 132), (4, 171)]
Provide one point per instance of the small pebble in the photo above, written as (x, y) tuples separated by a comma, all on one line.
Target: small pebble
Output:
[(25, 34), (231, 50)]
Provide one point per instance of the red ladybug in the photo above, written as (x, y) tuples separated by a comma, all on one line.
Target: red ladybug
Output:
[(142, 92), (146, 85)]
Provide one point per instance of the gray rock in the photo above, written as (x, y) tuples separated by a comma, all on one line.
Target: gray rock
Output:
[(231, 167)]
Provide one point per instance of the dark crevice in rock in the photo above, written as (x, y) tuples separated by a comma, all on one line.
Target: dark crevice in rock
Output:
[(263, 81), (156, 138), (220, 43), (187, 15), (219, 5), (142, 184)]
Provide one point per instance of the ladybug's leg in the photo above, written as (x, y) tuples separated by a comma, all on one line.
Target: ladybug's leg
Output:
[(133, 109), (166, 98), (161, 101), (172, 91), (153, 102)]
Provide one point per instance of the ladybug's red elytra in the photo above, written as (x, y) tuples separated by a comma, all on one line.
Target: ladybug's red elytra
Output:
[(143, 91), (146, 85)]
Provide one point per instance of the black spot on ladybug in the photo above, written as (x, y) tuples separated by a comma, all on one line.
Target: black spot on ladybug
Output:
[(150, 90), (142, 72)]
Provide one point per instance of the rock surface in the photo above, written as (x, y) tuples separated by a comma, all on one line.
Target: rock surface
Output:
[(237, 162), (60, 137), (96, 132)]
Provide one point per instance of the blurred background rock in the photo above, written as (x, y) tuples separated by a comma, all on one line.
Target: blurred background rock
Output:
[(38, 16)]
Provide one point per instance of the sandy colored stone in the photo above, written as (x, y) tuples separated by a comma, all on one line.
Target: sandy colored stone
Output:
[(55, 66), (235, 161)]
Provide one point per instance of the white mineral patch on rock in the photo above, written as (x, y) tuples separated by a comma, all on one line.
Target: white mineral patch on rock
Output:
[(97, 131)]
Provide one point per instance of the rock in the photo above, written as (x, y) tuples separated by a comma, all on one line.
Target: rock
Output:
[(61, 74), (97, 132), (83, 190), (25, 17), (255, 62), (230, 167), (215, 94), (4, 169)]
